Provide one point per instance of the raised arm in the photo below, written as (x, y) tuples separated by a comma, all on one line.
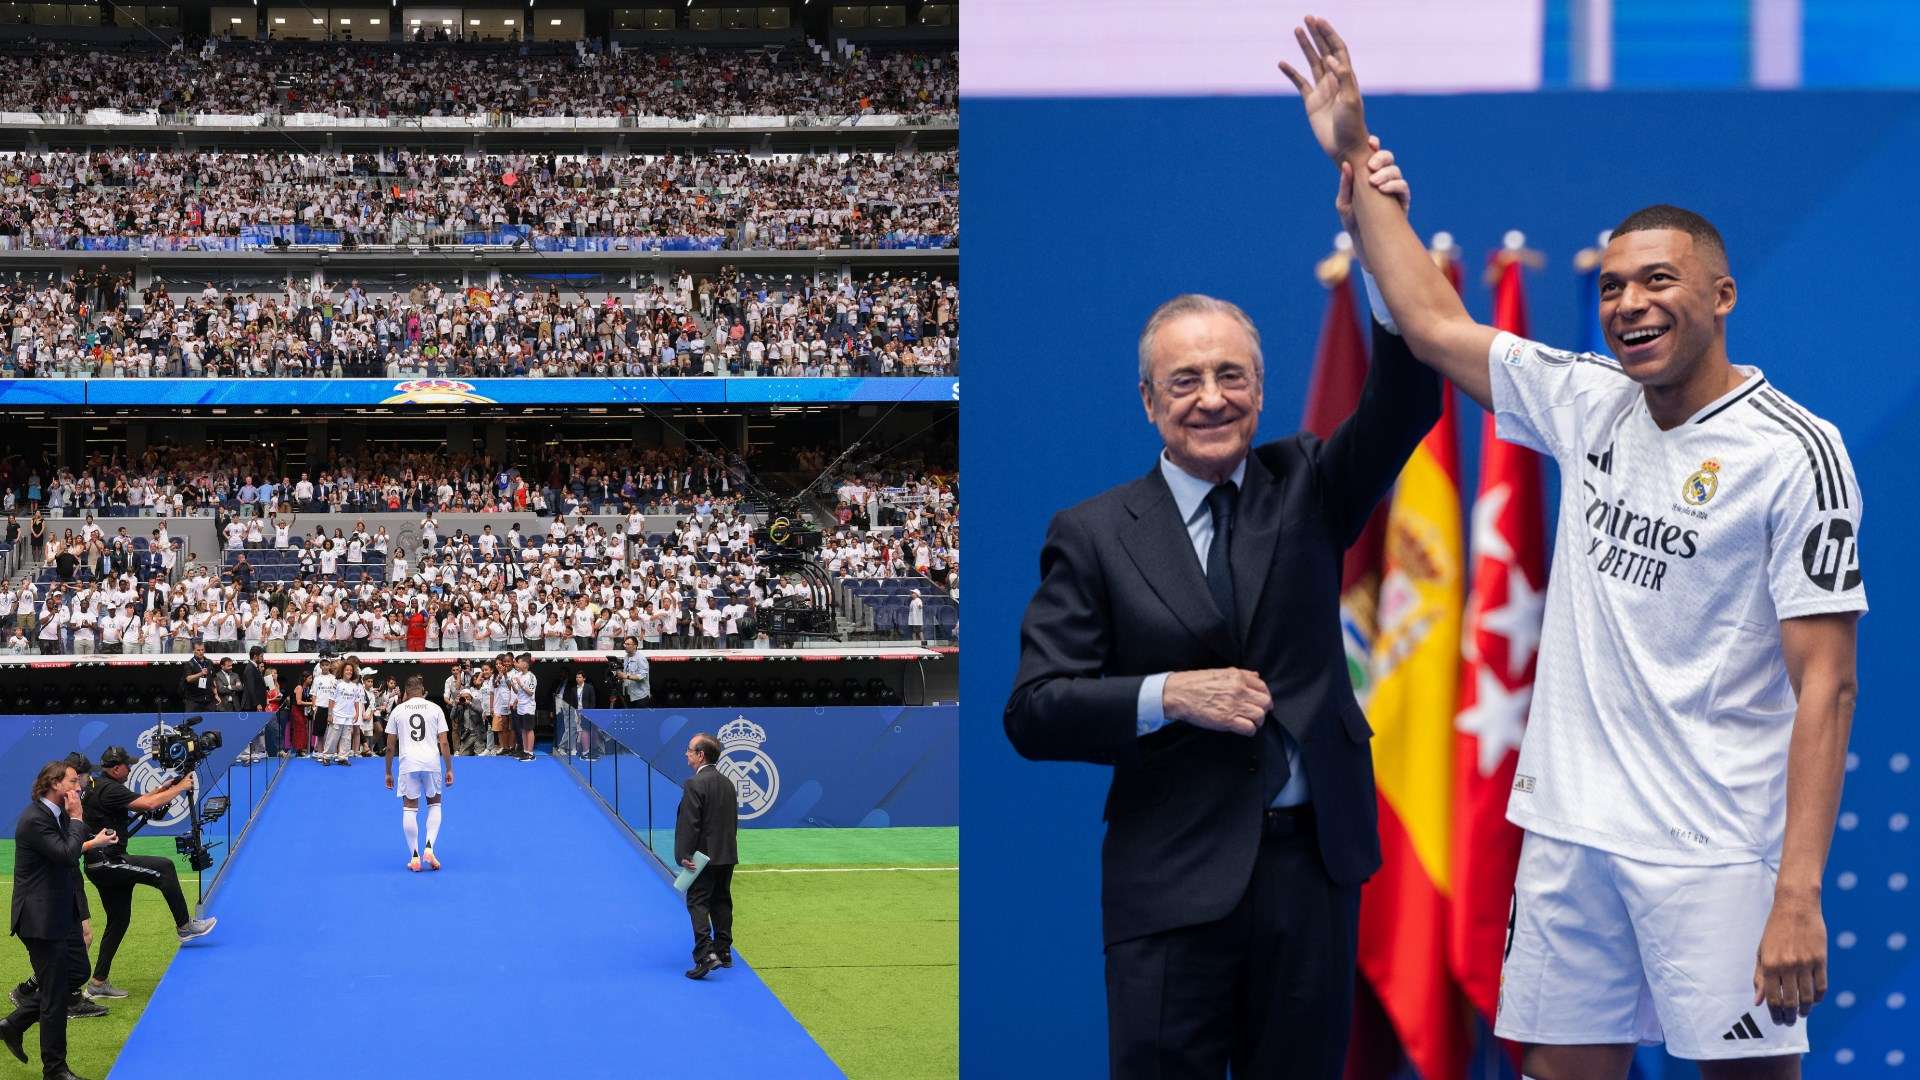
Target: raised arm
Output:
[(1424, 306)]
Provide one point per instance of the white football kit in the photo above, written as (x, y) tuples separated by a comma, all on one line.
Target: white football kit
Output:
[(417, 725), (1652, 777)]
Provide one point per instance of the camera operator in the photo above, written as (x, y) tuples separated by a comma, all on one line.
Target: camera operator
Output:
[(635, 674), (110, 804)]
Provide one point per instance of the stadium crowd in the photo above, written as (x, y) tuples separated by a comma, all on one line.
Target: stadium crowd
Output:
[(94, 326), (245, 481), (371, 80), (56, 199), (578, 586)]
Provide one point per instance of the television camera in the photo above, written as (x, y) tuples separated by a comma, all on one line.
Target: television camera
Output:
[(177, 751)]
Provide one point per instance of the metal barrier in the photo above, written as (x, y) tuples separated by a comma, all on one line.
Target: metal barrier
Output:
[(641, 798)]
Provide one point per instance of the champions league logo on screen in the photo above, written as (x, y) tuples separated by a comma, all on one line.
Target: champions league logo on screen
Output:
[(748, 766), (146, 777)]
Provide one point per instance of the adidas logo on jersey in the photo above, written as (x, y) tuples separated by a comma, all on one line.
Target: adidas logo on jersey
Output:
[(1744, 1029), (1602, 461)]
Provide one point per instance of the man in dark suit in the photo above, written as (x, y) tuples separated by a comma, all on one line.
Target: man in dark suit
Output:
[(1186, 631), (709, 821), (49, 910)]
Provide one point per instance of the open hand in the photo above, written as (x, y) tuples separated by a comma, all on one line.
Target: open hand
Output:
[(1790, 974), (1332, 96)]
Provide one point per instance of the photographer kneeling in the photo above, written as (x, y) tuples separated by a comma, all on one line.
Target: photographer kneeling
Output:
[(110, 804)]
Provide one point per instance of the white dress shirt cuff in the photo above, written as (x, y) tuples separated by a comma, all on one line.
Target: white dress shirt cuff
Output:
[(1378, 303), (1150, 713)]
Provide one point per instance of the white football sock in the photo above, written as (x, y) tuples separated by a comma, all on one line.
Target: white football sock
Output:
[(433, 823), (410, 822)]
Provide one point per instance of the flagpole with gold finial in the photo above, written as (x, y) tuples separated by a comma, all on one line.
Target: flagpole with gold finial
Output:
[(1586, 259), (1335, 268), (1513, 248)]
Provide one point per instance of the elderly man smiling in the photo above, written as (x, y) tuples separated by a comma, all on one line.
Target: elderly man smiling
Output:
[(1186, 632)]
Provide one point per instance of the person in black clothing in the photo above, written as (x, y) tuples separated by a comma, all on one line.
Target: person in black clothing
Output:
[(50, 912), (708, 821), (79, 1005), (197, 683), (110, 805)]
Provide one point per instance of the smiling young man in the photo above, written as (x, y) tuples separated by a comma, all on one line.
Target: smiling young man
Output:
[(1687, 738)]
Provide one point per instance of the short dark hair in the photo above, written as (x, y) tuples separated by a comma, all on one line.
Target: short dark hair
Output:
[(708, 746), (1663, 216)]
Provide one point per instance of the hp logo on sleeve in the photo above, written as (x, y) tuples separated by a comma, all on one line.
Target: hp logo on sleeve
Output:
[(1831, 557)]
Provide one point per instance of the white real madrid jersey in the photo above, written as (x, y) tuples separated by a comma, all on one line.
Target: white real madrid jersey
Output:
[(417, 724), (1662, 710)]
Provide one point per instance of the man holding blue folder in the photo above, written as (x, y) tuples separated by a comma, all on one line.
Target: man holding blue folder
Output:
[(708, 825)]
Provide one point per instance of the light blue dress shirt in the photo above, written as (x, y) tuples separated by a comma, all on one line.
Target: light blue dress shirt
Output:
[(1190, 496)]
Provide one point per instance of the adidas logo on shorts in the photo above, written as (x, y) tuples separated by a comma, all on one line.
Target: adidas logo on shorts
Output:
[(1745, 1029)]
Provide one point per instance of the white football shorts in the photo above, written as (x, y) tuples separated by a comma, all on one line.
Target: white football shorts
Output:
[(1606, 949), (417, 785)]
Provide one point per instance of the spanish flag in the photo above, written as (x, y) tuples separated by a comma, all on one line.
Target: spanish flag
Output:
[(1414, 668)]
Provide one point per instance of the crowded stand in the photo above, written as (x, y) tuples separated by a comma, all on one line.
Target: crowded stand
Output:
[(99, 326), (555, 581), (550, 80), (246, 481), (896, 550), (574, 585), (184, 199)]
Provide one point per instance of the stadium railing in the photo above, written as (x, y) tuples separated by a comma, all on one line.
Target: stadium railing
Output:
[(638, 796), (247, 782)]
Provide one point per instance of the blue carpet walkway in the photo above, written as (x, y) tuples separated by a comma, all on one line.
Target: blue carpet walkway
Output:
[(547, 947)]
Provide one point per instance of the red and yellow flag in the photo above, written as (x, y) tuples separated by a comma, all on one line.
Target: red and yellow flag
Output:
[(1496, 682), (1339, 373), (1404, 909)]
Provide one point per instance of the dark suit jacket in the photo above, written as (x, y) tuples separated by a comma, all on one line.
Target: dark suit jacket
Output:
[(48, 900), (254, 685), (1122, 597), (709, 818)]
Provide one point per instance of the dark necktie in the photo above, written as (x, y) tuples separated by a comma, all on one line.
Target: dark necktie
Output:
[(1219, 567), (1274, 770)]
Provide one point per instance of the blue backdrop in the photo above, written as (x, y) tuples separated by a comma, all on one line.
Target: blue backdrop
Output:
[(1086, 214), (31, 740), (834, 767)]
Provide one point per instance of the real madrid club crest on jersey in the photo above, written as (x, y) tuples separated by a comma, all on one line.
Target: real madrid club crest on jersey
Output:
[(146, 777), (748, 766), (1702, 485)]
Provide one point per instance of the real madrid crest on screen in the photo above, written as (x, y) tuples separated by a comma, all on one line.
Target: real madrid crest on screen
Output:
[(146, 777), (748, 766), (1702, 484), (436, 392)]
